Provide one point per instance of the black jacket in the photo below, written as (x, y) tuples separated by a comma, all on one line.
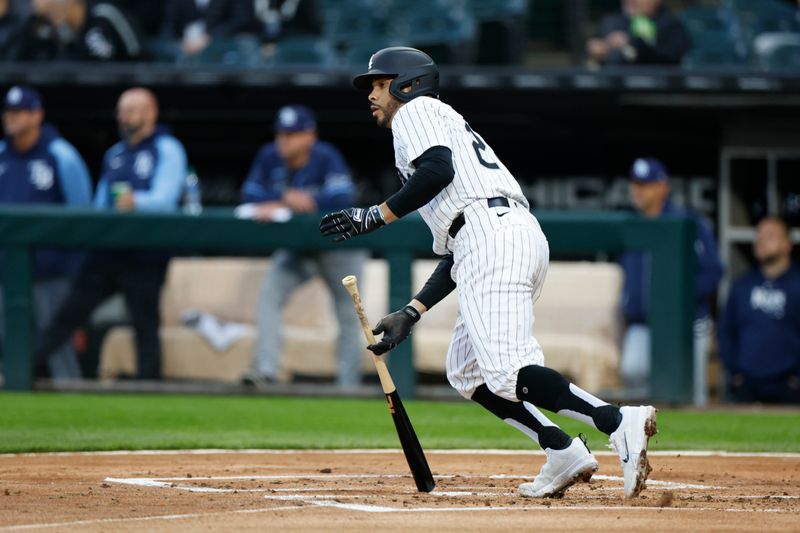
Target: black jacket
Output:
[(223, 18), (36, 40), (672, 40), (107, 35)]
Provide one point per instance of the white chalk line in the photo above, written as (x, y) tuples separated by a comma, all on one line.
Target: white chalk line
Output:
[(329, 500), (170, 482), (95, 521), (367, 508), (218, 451)]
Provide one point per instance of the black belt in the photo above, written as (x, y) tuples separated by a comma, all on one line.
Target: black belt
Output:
[(458, 222)]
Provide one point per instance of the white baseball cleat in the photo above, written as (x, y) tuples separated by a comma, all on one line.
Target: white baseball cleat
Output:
[(630, 442), (562, 470)]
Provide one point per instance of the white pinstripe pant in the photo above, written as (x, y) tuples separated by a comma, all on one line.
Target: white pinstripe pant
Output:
[(501, 259)]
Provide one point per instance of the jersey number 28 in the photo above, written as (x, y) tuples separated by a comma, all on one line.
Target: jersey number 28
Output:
[(479, 147)]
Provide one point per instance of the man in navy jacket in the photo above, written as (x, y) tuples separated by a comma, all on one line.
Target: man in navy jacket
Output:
[(649, 188), (145, 171), (759, 329), (38, 166), (298, 173)]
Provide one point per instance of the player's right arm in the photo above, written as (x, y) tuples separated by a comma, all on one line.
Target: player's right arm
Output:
[(433, 172)]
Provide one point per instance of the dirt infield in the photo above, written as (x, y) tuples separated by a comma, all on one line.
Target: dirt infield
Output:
[(361, 491)]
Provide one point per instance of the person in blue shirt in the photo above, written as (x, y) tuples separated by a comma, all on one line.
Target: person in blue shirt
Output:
[(298, 173), (759, 328), (145, 171), (38, 166), (649, 190)]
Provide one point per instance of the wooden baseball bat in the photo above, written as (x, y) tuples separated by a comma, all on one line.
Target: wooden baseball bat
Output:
[(405, 431)]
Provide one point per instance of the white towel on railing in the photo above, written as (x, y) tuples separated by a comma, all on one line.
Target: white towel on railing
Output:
[(220, 334)]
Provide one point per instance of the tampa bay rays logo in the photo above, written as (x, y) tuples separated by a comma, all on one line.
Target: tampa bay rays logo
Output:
[(143, 165), (41, 174)]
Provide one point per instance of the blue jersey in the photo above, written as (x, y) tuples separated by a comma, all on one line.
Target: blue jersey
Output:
[(155, 169), (759, 329), (325, 177), (51, 172), (636, 264)]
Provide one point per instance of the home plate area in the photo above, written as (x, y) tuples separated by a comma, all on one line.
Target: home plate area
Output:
[(669, 488), (372, 490)]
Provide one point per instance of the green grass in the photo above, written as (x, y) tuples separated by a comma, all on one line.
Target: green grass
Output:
[(65, 422)]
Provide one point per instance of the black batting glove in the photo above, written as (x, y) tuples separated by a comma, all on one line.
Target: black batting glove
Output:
[(352, 221), (395, 328)]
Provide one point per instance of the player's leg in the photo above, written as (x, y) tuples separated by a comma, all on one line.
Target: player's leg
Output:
[(95, 282), (287, 272), (334, 266), (568, 459), (48, 297), (141, 285), (500, 278)]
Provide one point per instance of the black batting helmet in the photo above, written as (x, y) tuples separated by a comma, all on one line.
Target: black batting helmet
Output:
[(408, 67)]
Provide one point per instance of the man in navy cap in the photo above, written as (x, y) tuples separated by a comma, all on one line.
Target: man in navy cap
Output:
[(38, 166), (649, 191), (299, 173)]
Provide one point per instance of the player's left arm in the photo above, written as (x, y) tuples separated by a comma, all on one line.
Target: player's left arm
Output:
[(434, 171)]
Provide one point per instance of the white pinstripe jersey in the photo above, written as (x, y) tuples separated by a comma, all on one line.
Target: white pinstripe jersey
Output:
[(425, 122)]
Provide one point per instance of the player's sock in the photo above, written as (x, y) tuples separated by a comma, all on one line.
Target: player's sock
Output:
[(525, 417), (546, 388)]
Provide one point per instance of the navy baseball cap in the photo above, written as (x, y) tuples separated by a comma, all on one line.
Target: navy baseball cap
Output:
[(648, 170), (293, 118), (24, 98)]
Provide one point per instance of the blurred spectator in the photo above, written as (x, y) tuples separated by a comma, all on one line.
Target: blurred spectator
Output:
[(147, 14), (300, 174), (10, 27), (277, 19), (196, 23), (649, 189), (96, 32), (38, 166), (37, 39), (759, 329), (145, 171), (644, 32)]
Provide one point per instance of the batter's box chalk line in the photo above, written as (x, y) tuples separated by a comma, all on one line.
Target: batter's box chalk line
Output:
[(188, 484), (309, 498)]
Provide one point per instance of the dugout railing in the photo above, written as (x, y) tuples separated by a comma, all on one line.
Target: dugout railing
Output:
[(217, 231)]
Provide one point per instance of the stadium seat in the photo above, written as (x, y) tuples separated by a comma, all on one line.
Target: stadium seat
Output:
[(497, 9), (357, 52), (703, 19), (237, 51), (356, 20), (760, 16), (442, 28), (778, 51), (302, 50), (714, 49)]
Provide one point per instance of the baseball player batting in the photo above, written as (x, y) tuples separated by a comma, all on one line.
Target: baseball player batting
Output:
[(495, 256)]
